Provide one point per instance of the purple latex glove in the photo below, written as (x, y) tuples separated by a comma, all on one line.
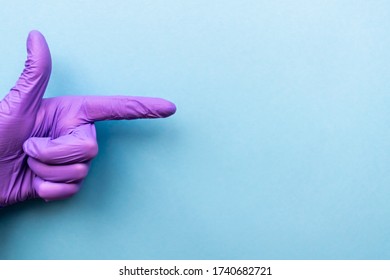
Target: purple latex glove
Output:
[(46, 145)]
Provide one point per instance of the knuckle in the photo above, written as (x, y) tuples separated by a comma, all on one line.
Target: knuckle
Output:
[(53, 191), (73, 189), (81, 170), (90, 148)]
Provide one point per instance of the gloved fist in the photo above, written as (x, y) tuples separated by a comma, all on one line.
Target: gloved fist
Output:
[(46, 145)]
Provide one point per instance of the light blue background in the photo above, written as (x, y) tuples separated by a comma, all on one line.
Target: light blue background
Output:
[(279, 149)]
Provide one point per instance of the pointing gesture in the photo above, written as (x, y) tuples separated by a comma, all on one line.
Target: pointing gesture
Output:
[(46, 145)]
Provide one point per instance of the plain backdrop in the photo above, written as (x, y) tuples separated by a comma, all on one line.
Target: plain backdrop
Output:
[(279, 148)]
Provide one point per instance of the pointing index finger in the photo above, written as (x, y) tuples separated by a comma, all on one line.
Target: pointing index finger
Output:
[(99, 108)]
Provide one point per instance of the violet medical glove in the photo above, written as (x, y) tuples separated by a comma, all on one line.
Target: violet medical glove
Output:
[(46, 145)]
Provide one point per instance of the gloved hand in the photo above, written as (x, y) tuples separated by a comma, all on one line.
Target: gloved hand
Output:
[(46, 145)]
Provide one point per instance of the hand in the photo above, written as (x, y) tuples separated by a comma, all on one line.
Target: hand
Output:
[(46, 145)]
